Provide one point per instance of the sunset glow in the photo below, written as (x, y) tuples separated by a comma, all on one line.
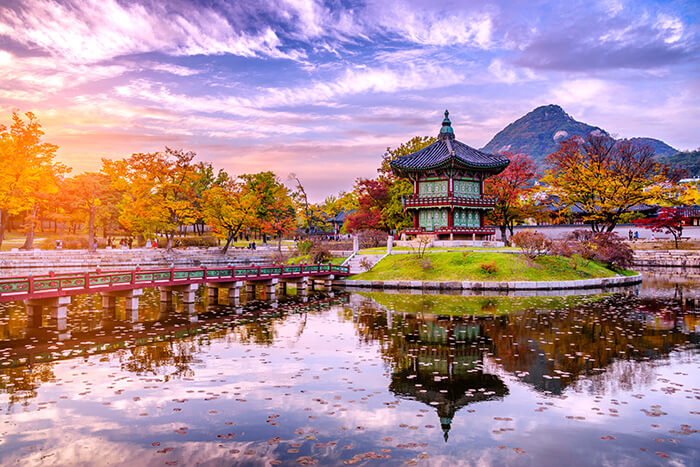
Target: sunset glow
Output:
[(323, 88)]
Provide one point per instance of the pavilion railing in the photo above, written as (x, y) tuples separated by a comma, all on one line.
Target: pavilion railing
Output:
[(468, 201)]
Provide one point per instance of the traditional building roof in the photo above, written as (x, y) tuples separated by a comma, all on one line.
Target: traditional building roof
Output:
[(448, 152)]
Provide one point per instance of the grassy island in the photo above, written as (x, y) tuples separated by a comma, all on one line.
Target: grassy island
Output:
[(485, 266)]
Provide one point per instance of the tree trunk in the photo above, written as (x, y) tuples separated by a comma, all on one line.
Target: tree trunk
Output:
[(279, 242), (29, 240), (3, 220), (91, 229), (229, 238), (504, 235)]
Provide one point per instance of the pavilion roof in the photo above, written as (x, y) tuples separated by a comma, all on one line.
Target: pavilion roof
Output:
[(448, 152)]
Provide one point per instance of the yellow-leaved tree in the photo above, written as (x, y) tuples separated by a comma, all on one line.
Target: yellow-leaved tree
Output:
[(228, 207), (158, 191), (606, 178)]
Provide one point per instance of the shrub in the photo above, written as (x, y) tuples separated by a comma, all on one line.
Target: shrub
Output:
[(371, 238), (204, 241), (304, 247), (532, 244), (365, 264), (426, 264), (320, 254), (604, 247), (279, 257), (489, 268)]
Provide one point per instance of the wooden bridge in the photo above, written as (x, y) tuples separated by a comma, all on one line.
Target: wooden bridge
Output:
[(55, 290)]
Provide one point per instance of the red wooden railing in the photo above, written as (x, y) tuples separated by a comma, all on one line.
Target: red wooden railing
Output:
[(54, 285)]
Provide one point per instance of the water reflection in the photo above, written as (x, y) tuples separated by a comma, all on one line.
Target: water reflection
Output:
[(437, 379)]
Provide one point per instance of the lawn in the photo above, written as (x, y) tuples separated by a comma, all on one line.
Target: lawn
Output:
[(382, 250), (467, 266), (305, 259)]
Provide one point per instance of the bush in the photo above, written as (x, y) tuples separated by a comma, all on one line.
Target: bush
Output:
[(279, 257), (365, 264), (371, 238), (489, 268), (426, 264), (532, 244), (204, 241), (304, 247), (604, 247), (320, 254)]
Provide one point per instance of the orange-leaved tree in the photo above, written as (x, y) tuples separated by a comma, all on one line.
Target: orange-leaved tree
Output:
[(28, 173)]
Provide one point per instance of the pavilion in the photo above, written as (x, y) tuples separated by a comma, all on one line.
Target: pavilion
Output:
[(448, 198)]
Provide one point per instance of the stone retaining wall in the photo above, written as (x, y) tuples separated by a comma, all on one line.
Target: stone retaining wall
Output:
[(48, 259), (667, 258), (478, 285)]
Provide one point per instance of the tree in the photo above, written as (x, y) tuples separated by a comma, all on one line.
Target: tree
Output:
[(510, 188), (85, 193), (605, 178), (158, 191), (380, 200), (667, 220), (28, 172), (274, 210), (228, 207)]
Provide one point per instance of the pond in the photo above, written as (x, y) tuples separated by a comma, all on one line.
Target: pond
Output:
[(358, 378)]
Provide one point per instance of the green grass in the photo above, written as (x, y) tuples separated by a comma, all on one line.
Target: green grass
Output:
[(466, 266), (306, 259), (382, 250), (458, 305)]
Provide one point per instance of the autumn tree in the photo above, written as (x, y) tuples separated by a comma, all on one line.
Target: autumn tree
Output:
[(510, 188), (380, 200), (158, 191), (84, 193), (604, 178), (274, 209), (228, 207), (28, 172), (667, 220)]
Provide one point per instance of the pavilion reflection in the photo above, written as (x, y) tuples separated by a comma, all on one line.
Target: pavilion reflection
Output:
[(443, 359)]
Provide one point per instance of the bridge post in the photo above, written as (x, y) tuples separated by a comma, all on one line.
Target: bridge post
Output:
[(131, 297), (57, 305), (270, 287), (250, 289), (234, 290), (187, 290)]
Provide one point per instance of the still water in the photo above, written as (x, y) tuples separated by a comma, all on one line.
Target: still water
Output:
[(358, 378)]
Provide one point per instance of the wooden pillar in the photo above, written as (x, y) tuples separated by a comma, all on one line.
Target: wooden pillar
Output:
[(415, 218)]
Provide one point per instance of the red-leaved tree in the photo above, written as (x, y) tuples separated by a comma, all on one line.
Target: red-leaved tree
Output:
[(668, 220), (509, 187)]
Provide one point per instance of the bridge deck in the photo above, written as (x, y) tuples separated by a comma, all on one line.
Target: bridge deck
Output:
[(57, 285)]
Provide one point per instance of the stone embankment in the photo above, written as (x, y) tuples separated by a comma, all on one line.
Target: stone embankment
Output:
[(600, 283), (667, 258), (121, 259)]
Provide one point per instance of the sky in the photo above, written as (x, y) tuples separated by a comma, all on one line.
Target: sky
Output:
[(322, 88)]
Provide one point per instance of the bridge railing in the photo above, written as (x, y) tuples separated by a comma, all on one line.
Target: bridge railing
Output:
[(96, 281)]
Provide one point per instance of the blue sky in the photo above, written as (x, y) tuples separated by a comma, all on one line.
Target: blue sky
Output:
[(321, 88)]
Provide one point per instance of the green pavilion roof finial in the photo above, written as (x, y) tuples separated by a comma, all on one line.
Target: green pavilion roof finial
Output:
[(446, 129)]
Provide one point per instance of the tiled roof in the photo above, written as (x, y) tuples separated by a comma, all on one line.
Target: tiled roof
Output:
[(445, 151)]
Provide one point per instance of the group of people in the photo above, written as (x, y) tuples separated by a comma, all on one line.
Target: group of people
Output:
[(634, 236), (124, 243)]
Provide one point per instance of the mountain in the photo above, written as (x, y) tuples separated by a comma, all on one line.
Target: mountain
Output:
[(660, 148), (685, 160), (539, 132)]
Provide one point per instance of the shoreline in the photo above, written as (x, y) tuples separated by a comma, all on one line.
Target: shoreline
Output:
[(597, 283)]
